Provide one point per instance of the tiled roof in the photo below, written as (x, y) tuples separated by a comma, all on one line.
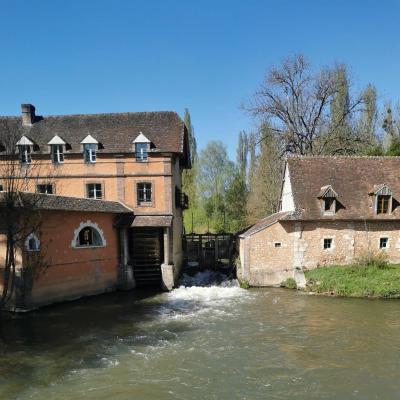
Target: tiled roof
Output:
[(115, 131), (354, 179), (152, 221), (63, 203), (265, 223), (141, 221)]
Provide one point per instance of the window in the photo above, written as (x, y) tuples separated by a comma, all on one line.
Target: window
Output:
[(57, 153), (94, 191), (89, 237), (383, 243), (1, 188), (327, 243), (141, 151), (90, 152), (32, 243), (25, 154), (329, 205), (329, 200), (144, 193), (382, 204), (278, 244), (88, 234), (44, 188)]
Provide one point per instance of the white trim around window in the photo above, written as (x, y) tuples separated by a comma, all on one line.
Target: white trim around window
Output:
[(100, 241), (32, 243)]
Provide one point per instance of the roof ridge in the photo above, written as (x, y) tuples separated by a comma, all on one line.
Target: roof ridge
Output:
[(303, 157), (110, 113), (97, 114)]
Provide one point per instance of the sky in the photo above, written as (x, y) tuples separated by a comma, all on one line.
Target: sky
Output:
[(95, 56)]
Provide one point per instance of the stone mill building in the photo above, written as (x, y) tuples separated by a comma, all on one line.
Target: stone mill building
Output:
[(332, 210), (108, 190)]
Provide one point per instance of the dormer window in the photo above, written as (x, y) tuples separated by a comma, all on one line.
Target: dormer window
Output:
[(25, 154), (25, 148), (57, 149), (328, 197), (383, 199), (141, 151), (90, 146), (382, 204), (142, 147), (90, 152), (330, 204), (57, 153)]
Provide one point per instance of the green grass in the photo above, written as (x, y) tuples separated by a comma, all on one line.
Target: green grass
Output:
[(373, 280), (290, 283)]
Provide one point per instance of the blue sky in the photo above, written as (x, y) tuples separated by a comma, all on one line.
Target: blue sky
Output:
[(109, 56)]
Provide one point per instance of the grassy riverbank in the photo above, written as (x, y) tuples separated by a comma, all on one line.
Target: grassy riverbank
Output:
[(374, 280)]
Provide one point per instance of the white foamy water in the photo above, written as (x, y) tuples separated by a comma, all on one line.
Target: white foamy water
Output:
[(205, 297), (207, 287)]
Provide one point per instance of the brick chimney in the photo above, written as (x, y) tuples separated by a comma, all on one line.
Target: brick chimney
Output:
[(28, 114)]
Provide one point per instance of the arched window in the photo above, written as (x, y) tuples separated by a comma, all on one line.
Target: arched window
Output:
[(32, 243), (88, 234)]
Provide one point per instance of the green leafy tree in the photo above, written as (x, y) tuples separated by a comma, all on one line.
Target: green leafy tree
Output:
[(189, 179), (389, 128), (242, 153), (369, 115), (215, 176), (236, 194), (265, 182)]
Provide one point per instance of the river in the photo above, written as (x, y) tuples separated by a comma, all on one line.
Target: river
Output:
[(203, 342)]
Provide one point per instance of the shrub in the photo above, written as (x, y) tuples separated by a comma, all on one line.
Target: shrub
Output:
[(289, 283), (378, 260), (244, 284)]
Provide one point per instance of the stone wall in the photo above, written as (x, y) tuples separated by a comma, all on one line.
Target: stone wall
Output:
[(350, 239), (268, 256), (266, 263)]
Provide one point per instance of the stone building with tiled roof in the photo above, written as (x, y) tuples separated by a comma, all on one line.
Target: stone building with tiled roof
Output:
[(332, 210), (121, 168)]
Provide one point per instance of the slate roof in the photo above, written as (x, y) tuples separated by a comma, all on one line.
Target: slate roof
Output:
[(64, 203), (152, 221), (265, 223), (354, 179), (114, 131)]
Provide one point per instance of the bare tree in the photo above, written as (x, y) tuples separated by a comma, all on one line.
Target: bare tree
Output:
[(297, 103), (20, 214)]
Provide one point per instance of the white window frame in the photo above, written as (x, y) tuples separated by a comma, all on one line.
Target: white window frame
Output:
[(57, 153), (89, 152), (95, 191), (146, 201), (25, 153), (143, 154)]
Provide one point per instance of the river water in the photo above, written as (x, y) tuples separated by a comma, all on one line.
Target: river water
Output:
[(204, 342)]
